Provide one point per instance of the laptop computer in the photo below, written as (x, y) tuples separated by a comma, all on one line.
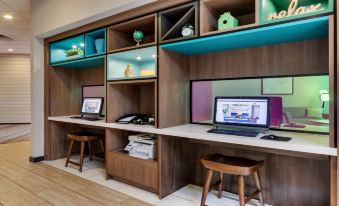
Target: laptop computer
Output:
[(242, 116), (91, 109)]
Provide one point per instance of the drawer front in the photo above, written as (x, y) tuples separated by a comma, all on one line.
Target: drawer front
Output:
[(140, 171)]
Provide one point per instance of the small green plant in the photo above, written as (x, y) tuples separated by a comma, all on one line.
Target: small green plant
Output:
[(74, 52)]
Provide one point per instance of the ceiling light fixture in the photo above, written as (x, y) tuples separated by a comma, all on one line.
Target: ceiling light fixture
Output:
[(8, 16), (10, 50), (139, 58)]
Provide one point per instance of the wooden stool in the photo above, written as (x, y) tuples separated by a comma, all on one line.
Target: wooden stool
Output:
[(82, 138), (234, 166)]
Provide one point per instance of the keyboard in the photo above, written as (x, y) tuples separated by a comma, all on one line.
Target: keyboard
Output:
[(246, 133), (86, 118)]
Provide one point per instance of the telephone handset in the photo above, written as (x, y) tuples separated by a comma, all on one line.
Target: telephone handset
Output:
[(130, 118)]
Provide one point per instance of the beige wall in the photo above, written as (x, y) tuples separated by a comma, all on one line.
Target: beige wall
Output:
[(50, 17), (15, 89)]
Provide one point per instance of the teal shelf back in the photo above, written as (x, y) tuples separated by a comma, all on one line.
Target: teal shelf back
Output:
[(268, 7), (142, 62), (58, 49), (308, 29), (98, 61), (95, 42)]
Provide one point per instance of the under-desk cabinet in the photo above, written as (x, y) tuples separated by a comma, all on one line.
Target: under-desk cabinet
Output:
[(139, 172)]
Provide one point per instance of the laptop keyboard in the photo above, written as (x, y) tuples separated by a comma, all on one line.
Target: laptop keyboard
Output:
[(246, 133)]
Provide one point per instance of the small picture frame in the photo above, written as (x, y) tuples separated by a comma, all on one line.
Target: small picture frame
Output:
[(277, 86)]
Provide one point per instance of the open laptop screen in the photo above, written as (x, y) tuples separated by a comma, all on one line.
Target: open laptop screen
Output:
[(242, 111), (92, 105)]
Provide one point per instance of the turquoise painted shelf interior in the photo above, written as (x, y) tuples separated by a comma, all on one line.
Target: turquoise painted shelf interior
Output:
[(59, 49), (268, 7), (143, 61), (308, 29), (95, 42), (93, 62)]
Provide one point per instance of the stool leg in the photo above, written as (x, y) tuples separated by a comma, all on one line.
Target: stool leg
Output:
[(82, 147), (206, 187), (220, 185), (258, 184), (90, 150), (241, 188), (102, 145), (69, 152)]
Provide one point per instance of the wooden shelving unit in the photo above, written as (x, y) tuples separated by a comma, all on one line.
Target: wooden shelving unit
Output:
[(120, 36), (135, 96), (173, 20), (245, 11)]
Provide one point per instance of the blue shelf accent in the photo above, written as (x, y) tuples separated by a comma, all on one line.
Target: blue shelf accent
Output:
[(143, 61), (59, 49), (92, 45), (83, 63), (308, 29)]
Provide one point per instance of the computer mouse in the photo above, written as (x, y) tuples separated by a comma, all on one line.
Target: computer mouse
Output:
[(272, 137)]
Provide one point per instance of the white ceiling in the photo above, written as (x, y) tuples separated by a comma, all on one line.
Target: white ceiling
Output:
[(17, 28)]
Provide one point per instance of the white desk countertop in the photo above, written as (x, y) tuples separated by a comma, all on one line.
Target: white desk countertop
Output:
[(301, 142)]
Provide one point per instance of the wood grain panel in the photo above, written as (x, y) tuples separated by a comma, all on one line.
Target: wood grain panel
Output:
[(173, 89), (307, 57), (15, 92), (175, 165)]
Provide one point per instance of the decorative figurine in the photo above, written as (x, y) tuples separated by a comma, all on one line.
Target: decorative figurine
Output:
[(227, 21), (129, 71), (138, 36), (187, 30)]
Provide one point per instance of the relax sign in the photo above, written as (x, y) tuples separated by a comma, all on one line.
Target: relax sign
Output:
[(294, 10)]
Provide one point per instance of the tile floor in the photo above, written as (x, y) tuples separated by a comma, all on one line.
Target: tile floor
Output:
[(187, 196)]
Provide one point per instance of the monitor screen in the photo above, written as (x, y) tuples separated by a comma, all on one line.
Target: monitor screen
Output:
[(241, 111), (92, 105)]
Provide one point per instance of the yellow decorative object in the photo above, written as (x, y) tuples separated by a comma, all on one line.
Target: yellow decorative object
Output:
[(129, 71), (147, 72)]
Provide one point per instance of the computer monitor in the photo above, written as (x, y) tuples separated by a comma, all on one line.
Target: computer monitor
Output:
[(92, 105), (242, 111)]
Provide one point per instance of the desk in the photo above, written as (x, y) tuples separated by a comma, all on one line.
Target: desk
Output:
[(302, 162), (301, 142)]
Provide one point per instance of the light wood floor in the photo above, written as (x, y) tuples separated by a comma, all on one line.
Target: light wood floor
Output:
[(24, 183)]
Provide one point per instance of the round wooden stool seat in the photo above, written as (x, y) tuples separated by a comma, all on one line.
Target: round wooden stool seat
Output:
[(82, 137), (79, 137), (234, 166), (231, 165)]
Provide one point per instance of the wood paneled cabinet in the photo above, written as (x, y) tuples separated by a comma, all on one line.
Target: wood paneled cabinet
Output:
[(139, 172)]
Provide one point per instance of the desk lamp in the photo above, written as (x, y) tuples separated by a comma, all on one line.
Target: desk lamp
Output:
[(325, 97)]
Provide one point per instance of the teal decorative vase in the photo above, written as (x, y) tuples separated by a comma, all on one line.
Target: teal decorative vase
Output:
[(99, 45), (138, 36)]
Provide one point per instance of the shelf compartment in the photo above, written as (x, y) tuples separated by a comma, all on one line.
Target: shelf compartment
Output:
[(269, 7), (132, 170), (308, 29), (172, 20), (138, 96), (245, 11), (95, 42), (120, 36), (58, 49), (98, 61), (133, 64)]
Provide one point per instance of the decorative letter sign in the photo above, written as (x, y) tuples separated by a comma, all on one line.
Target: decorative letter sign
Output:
[(294, 10)]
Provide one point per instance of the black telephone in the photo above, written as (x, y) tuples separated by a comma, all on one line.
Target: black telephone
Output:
[(135, 118)]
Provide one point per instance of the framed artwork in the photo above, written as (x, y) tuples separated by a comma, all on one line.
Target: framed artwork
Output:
[(277, 86)]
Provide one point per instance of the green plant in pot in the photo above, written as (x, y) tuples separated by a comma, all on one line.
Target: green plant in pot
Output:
[(74, 52)]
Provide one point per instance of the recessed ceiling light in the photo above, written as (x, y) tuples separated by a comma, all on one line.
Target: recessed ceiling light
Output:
[(8, 16), (138, 57), (154, 55), (74, 46), (82, 44), (10, 50)]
